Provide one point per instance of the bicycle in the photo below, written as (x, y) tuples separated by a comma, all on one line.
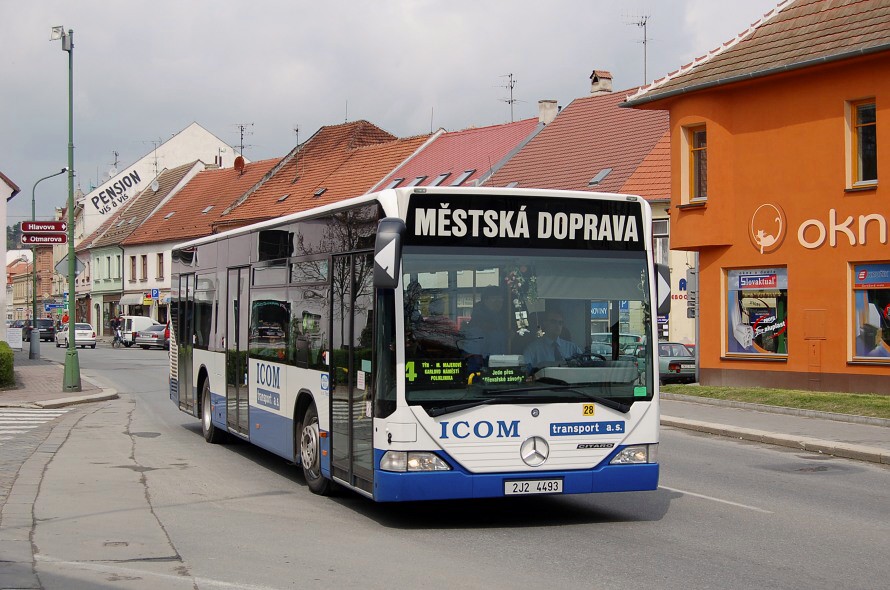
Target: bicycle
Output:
[(117, 341)]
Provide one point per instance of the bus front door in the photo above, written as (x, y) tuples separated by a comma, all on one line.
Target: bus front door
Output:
[(237, 307), (351, 372)]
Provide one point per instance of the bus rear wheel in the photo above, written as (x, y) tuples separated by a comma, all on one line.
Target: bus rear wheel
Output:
[(212, 434), (310, 453)]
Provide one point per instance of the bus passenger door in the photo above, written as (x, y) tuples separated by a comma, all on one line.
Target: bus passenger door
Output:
[(237, 310), (351, 372), (185, 314)]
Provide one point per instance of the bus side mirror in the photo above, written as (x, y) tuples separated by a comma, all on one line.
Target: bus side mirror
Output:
[(388, 252), (663, 288)]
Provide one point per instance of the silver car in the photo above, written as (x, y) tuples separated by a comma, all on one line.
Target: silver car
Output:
[(675, 363), (153, 336), (84, 336)]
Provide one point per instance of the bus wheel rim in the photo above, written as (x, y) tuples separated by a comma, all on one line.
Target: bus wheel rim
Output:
[(309, 447)]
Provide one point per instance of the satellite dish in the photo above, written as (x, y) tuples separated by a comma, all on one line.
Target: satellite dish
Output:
[(112, 172), (154, 185), (239, 164)]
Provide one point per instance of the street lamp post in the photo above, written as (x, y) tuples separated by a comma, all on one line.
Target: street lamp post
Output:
[(71, 378), (34, 351)]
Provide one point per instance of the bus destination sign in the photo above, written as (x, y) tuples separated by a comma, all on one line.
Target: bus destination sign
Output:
[(491, 220)]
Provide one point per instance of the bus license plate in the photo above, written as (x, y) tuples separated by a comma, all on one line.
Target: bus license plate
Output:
[(518, 487)]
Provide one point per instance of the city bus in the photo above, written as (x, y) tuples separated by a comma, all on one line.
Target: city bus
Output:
[(395, 344)]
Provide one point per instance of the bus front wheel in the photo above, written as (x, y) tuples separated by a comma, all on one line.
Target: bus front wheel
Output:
[(212, 434), (310, 453)]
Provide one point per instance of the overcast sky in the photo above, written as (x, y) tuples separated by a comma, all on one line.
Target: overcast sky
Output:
[(144, 70)]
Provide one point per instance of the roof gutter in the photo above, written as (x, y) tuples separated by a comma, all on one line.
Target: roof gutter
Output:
[(759, 74)]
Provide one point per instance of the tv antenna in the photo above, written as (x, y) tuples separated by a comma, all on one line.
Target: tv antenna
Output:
[(642, 22), (155, 143), (243, 130), (297, 132), (511, 83)]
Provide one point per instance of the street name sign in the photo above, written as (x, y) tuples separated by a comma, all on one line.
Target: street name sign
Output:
[(34, 227), (43, 239)]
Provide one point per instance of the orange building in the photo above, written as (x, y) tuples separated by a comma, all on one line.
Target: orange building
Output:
[(779, 139)]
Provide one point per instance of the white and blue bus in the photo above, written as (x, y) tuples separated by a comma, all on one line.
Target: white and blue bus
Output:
[(431, 343)]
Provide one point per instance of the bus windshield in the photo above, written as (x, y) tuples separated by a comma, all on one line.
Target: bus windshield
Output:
[(521, 325)]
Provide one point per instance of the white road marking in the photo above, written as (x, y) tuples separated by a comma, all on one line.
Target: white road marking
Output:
[(713, 499)]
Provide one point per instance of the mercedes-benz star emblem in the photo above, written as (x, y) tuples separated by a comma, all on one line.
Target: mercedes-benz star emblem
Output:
[(534, 451)]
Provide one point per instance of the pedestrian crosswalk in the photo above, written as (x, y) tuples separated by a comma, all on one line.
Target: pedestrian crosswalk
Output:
[(17, 421)]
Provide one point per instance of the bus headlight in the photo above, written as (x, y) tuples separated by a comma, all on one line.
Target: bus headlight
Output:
[(412, 461), (636, 454)]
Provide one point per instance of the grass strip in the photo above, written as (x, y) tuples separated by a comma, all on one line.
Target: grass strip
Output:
[(857, 404)]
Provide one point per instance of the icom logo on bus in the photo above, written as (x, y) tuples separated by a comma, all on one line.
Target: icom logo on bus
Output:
[(268, 376), (481, 429)]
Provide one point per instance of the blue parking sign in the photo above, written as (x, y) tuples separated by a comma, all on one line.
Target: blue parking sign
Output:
[(155, 293)]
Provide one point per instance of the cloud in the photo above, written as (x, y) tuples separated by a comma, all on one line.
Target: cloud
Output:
[(144, 70)]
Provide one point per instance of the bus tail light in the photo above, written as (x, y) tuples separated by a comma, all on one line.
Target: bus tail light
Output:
[(636, 454), (412, 461)]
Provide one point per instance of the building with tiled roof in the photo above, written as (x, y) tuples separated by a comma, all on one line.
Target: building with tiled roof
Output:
[(776, 159), (104, 257), (463, 158), (595, 145), (193, 210), (337, 162), (590, 138)]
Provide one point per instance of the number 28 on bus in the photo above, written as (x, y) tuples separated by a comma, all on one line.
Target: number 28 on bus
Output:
[(431, 343)]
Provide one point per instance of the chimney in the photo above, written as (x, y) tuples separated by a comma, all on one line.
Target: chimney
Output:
[(600, 82), (547, 111)]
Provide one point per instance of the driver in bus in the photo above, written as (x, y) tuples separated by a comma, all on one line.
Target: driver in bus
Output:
[(486, 333), (550, 349)]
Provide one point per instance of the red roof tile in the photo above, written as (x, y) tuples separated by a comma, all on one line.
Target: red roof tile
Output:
[(652, 178), (302, 172), (480, 149), (798, 33), (343, 160), (183, 217), (590, 135)]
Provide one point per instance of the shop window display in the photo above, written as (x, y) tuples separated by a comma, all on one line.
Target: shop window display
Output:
[(871, 293), (757, 306)]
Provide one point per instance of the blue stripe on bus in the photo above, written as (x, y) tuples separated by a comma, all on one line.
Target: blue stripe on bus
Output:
[(272, 432), (450, 485)]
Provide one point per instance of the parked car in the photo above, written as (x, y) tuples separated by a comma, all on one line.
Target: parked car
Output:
[(84, 336), (46, 327), (675, 363), (131, 325), (156, 336)]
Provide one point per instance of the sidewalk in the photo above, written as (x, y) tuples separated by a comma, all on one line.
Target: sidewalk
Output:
[(39, 385), (866, 439)]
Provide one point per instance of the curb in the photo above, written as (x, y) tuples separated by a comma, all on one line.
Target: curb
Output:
[(106, 394), (815, 445)]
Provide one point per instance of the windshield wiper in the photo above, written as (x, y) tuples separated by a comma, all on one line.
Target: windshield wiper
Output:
[(442, 410), (559, 385)]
